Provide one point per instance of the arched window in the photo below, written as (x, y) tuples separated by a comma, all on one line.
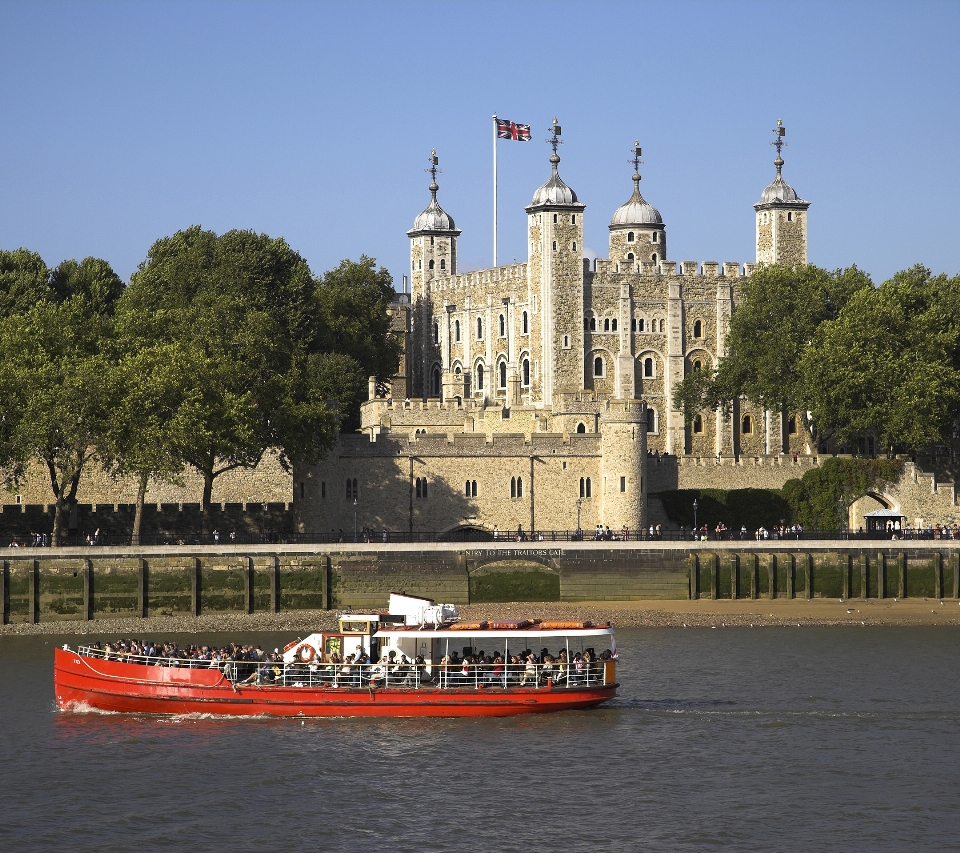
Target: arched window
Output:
[(421, 487), (598, 366), (513, 487), (526, 372), (593, 324), (436, 333), (554, 245), (418, 487), (698, 423), (503, 327), (653, 257), (431, 241), (792, 425), (436, 381), (479, 377), (661, 326), (430, 265), (479, 328), (630, 256), (587, 495), (746, 427), (519, 487), (697, 329), (633, 324), (581, 428), (651, 420), (655, 237), (648, 366), (456, 370), (523, 323), (573, 219), (640, 325), (630, 239), (554, 217), (503, 374), (606, 324), (443, 263), (613, 325), (456, 330), (573, 246), (697, 365)]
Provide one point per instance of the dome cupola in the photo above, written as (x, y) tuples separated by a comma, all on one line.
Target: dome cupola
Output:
[(555, 193), (434, 219)]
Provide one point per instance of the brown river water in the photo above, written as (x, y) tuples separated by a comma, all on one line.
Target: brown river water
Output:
[(772, 739)]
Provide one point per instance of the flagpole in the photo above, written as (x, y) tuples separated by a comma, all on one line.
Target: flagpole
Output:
[(494, 189)]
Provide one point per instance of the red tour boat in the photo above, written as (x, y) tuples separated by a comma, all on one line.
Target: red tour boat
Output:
[(418, 660)]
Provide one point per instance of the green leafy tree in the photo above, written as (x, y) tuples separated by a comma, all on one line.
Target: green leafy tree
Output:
[(889, 364), (24, 281), (241, 308), (774, 324)]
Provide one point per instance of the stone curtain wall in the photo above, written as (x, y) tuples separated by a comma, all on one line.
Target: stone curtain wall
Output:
[(85, 584)]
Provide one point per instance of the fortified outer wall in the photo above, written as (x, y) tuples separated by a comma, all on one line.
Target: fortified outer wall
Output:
[(72, 585)]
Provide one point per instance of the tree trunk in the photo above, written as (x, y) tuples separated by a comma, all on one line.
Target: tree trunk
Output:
[(138, 515), (205, 504), (56, 538)]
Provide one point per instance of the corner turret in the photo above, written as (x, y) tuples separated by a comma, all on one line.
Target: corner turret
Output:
[(781, 216)]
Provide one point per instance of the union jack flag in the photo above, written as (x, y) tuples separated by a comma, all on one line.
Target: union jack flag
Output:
[(510, 130)]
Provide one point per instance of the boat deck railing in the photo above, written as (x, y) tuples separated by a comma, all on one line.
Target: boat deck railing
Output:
[(375, 676)]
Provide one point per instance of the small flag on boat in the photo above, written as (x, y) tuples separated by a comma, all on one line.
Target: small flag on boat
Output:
[(511, 130)]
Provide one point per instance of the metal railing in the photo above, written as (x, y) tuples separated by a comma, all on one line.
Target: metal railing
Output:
[(578, 674)]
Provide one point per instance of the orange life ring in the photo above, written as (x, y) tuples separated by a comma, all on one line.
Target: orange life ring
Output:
[(306, 653)]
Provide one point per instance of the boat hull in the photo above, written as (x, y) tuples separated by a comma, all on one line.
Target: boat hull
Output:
[(92, 683)]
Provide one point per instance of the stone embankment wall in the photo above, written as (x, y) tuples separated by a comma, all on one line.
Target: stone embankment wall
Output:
[(106, 583)]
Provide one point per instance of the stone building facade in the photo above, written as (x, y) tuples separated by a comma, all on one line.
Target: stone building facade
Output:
[(532, 393)]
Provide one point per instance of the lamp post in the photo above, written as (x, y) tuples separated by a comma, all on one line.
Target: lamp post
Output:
[(696, 530), (354, 519), (579, 505)]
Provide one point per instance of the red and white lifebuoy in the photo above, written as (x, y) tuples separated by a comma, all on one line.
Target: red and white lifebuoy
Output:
[(306, 653)]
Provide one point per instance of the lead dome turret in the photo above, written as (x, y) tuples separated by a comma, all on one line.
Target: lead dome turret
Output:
[(637, 234)]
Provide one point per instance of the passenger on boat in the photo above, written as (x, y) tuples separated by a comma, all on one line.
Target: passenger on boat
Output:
[(530, 671)]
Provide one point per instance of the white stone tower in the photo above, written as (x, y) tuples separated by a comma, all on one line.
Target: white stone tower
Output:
[(433, 255), (781, 216), (623, 447), (637, 233), (555, 276)]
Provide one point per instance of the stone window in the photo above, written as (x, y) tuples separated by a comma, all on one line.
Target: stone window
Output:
[(443, 263), (430, 265), (698, 423), (436, 381), (640, 325), (502, 375), (613, 325), (697, 365), (585, 487), (352, 493), (651, 420), (524, 326), (573, 219), (470, 489), (436, 333), (697, 329), (655, 238), (630, 256), (792, 425), (623, 484), (573, 246), (648, 367), (606, 325), (554, 245), (746, 427), (661, 326), (456, 369), (593, 324), (633, 324), (554, 217), (790, 216), (456, 330), (526, 373), (653, 257), (516, 487), (421, 487), (503, 327), (479, 328), (630, 239), (431, 241), (581, 427), (598, 366), (566, 341), (479, 377), (420, 264)]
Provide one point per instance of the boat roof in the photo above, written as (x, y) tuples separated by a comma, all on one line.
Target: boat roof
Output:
[(532, 631)]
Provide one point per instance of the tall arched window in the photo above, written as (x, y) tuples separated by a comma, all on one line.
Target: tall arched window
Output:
[(651, 420), (526, 372), (593, 324), (479, 377), (503, 374), (792, 425), (436, 333), (655, 237), (430, 265), (581, 428), (443, 263), (436, 381), (661, 326), (697, 365), (698, 423), (630, 256), (697, 329), (648, 366), (519, 487), (503, 327), (629, 236), (513, 487), (746, 427), (456, 330), (479, 328), (606, 324), (598, 366), (653, 257), (613, 325), (640, 325), (523, 323)]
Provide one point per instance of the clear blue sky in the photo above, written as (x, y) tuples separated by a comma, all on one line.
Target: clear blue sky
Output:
[(124, 122)]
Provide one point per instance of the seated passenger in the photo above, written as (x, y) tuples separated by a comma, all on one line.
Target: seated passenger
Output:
[(529, 671)]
